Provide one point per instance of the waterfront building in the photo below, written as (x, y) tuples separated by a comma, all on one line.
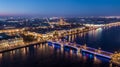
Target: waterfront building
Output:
[(62, 22), (9, 41)]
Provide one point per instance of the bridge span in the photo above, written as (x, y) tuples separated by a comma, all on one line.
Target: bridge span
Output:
[(114, 58), (81, 48)]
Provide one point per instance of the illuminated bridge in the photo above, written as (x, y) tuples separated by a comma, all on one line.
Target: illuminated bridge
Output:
[(80, 49), (66, 45), (114, 58)]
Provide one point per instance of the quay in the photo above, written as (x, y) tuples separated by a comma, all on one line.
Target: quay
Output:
[(20, 46), (62, 44)]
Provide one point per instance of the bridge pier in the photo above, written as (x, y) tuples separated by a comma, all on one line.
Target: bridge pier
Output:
[(90, 55), (84, 50), (99, 50), (78, 50)]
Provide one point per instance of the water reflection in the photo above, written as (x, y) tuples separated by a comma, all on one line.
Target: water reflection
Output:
[(43, 54), (99, 38), (95, 34)]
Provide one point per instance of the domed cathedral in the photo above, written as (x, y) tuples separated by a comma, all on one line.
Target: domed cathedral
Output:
[(62, 22)]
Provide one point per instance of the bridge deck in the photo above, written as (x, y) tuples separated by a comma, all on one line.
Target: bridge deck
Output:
[(88, 49)]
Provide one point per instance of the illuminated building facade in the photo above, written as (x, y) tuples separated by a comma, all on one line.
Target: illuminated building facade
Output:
[(62, 22), (9, 41)]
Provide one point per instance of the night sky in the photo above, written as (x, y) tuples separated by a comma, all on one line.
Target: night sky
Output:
[(60, 7)]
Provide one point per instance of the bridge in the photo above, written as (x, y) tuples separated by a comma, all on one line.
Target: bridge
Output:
[(84, 50), (81, 48), (62, 44), (103, 25)]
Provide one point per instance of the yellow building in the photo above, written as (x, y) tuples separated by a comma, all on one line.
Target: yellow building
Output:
[(11, 42), (8, 41), (62, 22)]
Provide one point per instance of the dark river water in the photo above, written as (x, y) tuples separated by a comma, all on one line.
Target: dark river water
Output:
[(107, 39), (42, 55)]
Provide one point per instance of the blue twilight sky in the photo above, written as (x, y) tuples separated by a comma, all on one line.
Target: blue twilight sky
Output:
[(60, 7)]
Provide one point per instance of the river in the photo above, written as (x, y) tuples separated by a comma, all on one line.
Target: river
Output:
[(42, 55)]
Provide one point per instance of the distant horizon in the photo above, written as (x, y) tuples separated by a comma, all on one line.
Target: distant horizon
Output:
[(32, 16), (59, 7)]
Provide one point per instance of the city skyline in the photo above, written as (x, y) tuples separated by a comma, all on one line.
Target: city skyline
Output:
[(59, 8), (59, 33)]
